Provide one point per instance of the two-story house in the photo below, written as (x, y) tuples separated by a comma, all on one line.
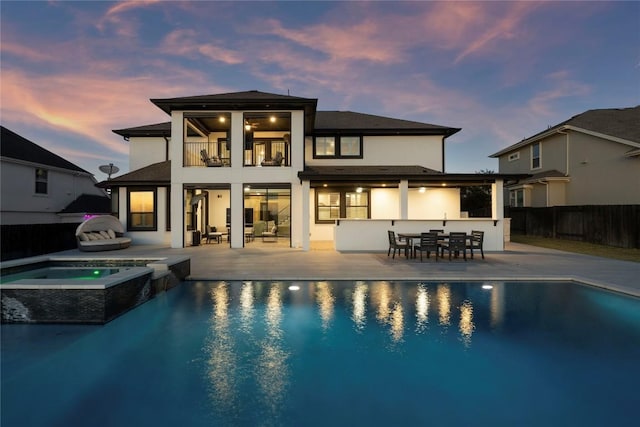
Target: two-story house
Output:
[(591, 159), (40, 187), (254, 161)]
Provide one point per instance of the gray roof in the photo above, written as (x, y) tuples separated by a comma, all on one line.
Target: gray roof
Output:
[(89, 204), (392, 174), (328, 122), (14, 146), (158, 129), (622, 123), (369, 124), (156, 174)]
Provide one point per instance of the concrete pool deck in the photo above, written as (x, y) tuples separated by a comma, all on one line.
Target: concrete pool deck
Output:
[(259, 261)]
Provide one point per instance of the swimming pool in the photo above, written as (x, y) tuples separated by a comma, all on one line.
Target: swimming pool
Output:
[(335, 353)]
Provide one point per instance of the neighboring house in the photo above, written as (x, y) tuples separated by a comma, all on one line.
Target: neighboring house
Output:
[(40, 187), (591, 159), (255, 160)]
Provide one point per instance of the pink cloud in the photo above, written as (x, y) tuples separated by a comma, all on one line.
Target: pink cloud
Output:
[(186, 43)]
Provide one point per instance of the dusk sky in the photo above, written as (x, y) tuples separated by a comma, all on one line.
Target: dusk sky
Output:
[(71, 72)]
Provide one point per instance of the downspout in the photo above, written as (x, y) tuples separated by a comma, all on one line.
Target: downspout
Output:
[(166, 148)]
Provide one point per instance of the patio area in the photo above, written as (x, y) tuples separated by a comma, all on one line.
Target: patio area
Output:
[(268, 261)]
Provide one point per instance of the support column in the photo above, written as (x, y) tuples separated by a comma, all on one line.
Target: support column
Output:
[(305, 217), (404, 199), (237, 215)]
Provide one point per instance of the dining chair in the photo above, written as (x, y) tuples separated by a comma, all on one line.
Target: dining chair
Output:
[(476, 242), (456, 243), (428, 243), (395, 244)]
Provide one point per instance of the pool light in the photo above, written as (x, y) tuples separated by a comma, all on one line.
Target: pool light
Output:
[(487, 287), (294, 288)]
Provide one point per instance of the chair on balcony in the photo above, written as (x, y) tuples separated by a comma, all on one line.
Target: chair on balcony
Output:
[(397, 245), (210, 161), (456, 243), (275, 161), (428, 243), (476, 242)]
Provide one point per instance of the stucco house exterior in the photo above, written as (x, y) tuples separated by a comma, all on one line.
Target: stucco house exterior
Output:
[(592, 158), (40, 187), (246, 162)]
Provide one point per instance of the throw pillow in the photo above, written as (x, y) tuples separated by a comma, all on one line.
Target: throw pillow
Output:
[(112, 234), (105, 235)]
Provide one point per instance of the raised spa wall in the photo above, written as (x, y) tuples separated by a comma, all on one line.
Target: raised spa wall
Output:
[(40, 302)]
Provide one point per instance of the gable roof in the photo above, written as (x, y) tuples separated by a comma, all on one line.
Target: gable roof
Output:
[(618, 124), (156, 174), (369, 124), (14, 146)]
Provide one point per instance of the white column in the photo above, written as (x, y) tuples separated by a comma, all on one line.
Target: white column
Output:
[(177, 216), (237, 215), (497, 199), (302, 216), (404, 199)]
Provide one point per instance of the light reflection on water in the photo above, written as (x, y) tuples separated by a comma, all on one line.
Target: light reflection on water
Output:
[(336, 353)]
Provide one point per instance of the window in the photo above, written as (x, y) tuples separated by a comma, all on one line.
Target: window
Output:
[(335, 204), (115, 201), (516, 198), (328, 206), (535, 156), (325, 146), (42, 179), (337, 146), (142, 212), (514, 156), (190, 214)]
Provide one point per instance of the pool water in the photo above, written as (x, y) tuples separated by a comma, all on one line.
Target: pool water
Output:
[(74, 273), (335, 354)]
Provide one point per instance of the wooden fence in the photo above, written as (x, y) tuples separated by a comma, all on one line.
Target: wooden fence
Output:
[(25, 240), (613, 225)]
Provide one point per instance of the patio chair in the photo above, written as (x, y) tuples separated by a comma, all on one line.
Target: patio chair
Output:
[(271, 235), (210, 161), (396, 244), (456, 243), (428, 243), (476, 242), (275, 161)]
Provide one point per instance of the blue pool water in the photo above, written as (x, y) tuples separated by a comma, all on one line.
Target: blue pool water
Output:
[(335, 354)]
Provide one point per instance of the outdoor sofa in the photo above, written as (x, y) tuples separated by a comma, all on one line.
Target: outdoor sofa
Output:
[(101, 233)]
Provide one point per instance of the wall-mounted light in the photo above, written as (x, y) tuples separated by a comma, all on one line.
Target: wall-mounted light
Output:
[(359, 190), (422, 189), (222, 119), (272, 119)]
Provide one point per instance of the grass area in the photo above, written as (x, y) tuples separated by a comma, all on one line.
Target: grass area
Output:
[(579, 247)]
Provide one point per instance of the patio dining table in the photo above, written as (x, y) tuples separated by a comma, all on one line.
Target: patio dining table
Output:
[(441, 237)]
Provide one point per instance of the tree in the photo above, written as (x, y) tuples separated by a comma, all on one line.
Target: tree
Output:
[(476, 199)]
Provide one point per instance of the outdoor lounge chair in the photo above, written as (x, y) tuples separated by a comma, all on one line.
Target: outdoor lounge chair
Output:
[(397, 245), (456, 243), (275, 161), (428, 243), (210, 161), (477, 240)]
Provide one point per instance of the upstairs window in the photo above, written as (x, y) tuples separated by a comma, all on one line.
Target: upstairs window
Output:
[(337, 146), (535, 156), (42, 180)]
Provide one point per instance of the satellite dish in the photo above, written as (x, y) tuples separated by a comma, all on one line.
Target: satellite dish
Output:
[(109, 169)]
